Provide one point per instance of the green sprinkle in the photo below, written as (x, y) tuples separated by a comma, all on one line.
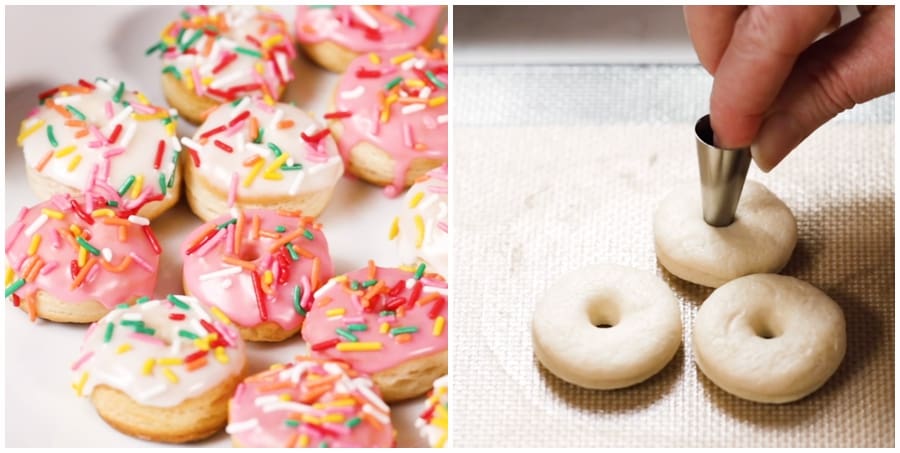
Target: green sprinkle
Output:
[(357, 327), (112, 203), (180, 36), (247, 51), (420, 271), (393, 83), (354, 285), (434, 79), (197, 34), (296, 166), (158, 46), (225, 224), (88, 246), (14, 286), (171, 69), (119, 92), (401, 330), (122, 306), (174, 169), (308, 234), (323, 444), (76, 112), (406, 20), (168, 119), (237, 101), (185, 15), (369, 283), (259, 136), (353, 422), (346, 334), (292, 423), (187, 334), (131, 323), (51, 137), (292, 252), (178, 302), (275, 149), (109, 331), (143, 300), (145, 330), (126, 185), (162, 183), (298, 292), (280, 228), (385, 313)]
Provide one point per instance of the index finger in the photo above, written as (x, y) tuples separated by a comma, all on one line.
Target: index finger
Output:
[(710, 29)]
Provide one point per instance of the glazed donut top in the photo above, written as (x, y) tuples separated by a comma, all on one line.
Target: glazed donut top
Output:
[(79, 249), (309, 403), (225, 52), (257, 151), (434, 420), (421, 230), (397, 102), (377, 318), (371, 28), (257, 265), (159, 352), (105, 138)]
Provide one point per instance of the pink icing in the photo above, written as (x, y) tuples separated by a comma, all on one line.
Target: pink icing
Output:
[(102, 285), (409, 131), (352, 26), (234, 293), (257, 418), (322, 324)]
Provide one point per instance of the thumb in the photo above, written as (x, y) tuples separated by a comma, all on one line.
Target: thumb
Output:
[(849, 67)]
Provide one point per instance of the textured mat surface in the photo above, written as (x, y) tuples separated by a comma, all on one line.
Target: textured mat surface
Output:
[(559, 167)]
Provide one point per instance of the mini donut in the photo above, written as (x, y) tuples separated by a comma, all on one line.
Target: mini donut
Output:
[(161, 370), (390, 117), (253, 155), (606, 327), (102, 137), (434, 420), (333, 36), (309, 403), (760, 240), (389, 323), (420, 231), (217, 54), (260, 268), (72, 259), (769, 338)]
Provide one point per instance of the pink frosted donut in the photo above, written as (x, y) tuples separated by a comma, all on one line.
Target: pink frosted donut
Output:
[(390, 117), (386, 322), (309, 403), (334, 35), (260, 267), (72, 259)]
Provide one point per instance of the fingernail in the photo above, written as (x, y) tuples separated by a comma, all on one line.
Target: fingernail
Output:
[(778, 136)]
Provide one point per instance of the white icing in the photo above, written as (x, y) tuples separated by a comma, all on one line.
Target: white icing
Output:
[(432, 208)]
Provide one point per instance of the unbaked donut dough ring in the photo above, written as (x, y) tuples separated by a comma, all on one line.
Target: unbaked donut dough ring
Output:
[(760, 240), (606, 327), (769, 338)]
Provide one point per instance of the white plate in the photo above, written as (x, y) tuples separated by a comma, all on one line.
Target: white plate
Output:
[(41, 407)]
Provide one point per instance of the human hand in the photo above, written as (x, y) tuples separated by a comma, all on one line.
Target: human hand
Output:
[(773, 85)]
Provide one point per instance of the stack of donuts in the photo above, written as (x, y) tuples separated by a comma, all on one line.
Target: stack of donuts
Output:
[(108, 162)]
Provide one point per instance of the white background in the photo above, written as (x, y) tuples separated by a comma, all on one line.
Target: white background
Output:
[(48, 46)]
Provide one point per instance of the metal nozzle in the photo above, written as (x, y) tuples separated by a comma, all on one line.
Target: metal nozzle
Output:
[(722, 175)]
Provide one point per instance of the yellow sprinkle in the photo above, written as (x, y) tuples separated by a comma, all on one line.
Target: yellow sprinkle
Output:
[(169, 361), (420, 228), (392, 98), (153, 116), (103, 212), (442, 40), (439, 422), (270, 172), (220, 315), (170, 375), (75, 230), (340, 278), (343, 402), (65, 151), (165, 36), (29, 131), (374, 58), (401, 58), (311, 419), (415, 83), (267, 277), (440, 443), (438, 326), (188, 80), (395, 229), (142, 98), (334, 418), (441, 412), (10, 275), (73, 164), (268, 100), (35, 243), (335, 312), (137, 186), (221, 356), (80, 385), (52, 213), (206, 81), (285, 397), (303, 442), (437, 101), (407, 268), (253, 172), (123, 348), (148, 367), (276, 366), (259, 67), (202, 344), (170, 129), (385, 114), (414, 201), (360, 346), (82, 256), (272, 41), (384, 327)]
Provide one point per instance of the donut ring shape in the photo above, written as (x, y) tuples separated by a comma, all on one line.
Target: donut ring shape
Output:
[(769, 338), (760, 240), (644, 334)]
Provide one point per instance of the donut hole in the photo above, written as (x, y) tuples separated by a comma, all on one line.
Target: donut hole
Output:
[(765, 328), (249, 252), (603, 313)]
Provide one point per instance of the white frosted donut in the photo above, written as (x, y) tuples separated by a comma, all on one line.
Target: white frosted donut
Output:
[(769, 338), (644, 331), (760, 240), (420, 231)]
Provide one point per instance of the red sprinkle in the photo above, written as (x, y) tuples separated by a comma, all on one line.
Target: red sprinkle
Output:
[(195, 355), (334, 115), (421, 74), (80, 212), (364, 73), (209, 234), (257, 289), (176, 316), (325, 344), (395, 290), (224, 146), (253, 40), (150, 237), (115, 134), (416, 292), (213, 131), (373, 35), (394, 303), (315, 138), (436, 308), (222, 94), (73, 269), (244, 87), (86, 84), (239, 118), (226, 60), (16, 300), (195, 158), (159, 153), (48, 93)]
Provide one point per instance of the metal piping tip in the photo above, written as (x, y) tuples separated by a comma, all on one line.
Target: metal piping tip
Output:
[(722, 175)]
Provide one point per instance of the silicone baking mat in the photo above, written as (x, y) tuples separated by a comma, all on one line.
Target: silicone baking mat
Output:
[(558, 167)]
